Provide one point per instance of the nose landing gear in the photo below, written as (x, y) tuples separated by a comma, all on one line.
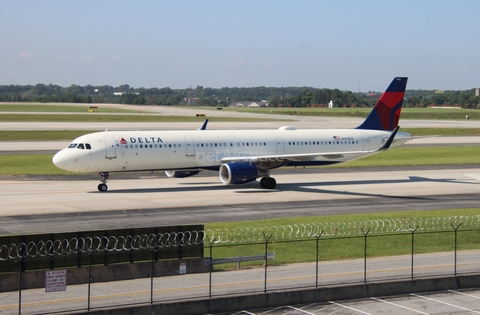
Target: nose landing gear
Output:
[(103, 186)]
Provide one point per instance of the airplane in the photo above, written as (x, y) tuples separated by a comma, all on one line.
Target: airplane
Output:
[(239, 156)]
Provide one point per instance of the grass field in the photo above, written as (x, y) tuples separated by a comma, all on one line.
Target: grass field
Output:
[(333, 248), (52, 135), (407, 113), (41, 164), (49, 108)]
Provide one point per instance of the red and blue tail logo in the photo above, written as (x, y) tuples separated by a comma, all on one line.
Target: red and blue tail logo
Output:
[(386, 113)]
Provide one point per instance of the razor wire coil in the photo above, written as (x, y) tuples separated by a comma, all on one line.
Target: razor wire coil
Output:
[(96, 244)]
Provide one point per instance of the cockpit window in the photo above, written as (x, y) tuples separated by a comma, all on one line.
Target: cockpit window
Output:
[(81, 146), (88, 146), (72, 145)]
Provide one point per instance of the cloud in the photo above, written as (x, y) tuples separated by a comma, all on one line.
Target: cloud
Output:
[(26, 55), (117, 58), (87, 59), (236, 63)]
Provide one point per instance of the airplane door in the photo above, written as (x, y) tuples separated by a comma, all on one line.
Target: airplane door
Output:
[(190, 146), (366, 142), (280, 147), (110, 148)]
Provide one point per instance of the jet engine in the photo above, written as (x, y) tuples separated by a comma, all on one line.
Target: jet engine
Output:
[(181, 174), (238, 173)]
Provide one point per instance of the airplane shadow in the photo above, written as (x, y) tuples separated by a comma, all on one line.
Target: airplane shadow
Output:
[(312, 187)]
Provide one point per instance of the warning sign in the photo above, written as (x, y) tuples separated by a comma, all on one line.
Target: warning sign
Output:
[(55, 280), (183, 268)]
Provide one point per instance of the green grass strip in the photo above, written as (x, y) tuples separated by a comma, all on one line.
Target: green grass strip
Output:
[(50, 135), (410, 156), (48, 108), (42, 135), (407, 113), (334, 248), (41, 164)]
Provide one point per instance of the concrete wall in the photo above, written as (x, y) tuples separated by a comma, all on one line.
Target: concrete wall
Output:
[(305, 296), (36, 279)]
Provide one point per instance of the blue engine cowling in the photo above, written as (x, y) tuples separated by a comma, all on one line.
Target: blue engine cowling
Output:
[(181, 174), (237, 173)]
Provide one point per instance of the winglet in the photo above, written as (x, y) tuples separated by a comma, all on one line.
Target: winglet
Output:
[(386, 113), (389, 141), (204, 126)]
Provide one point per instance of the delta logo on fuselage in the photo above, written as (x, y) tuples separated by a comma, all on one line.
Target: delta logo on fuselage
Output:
[(142, 140)]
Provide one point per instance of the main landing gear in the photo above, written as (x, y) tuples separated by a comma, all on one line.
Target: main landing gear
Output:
[(268, 182), (103, 186)]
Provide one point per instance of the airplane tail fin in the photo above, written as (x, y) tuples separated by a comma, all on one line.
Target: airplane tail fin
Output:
[(386, 113)]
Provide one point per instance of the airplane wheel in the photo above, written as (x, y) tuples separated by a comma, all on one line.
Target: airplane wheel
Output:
[(268, 182), (262, 182), (102, 187)]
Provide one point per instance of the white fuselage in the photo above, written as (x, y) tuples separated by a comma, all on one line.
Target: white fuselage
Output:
[(123, 151)]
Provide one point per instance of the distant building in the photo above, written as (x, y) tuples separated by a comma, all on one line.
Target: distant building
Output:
[(250, 104), (477, 91), (191, 100)]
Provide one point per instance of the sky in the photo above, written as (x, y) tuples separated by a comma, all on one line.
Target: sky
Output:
[(350, 45)]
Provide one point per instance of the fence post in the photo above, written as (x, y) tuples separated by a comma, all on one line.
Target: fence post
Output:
[(267, 239), (316, 259), (20, 286), (455, 247), (211, 242), (89, 278), (365, 254), (413, 244), (151, 275)]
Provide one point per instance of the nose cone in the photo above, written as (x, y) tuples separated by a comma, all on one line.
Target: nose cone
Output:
[(60, 159)]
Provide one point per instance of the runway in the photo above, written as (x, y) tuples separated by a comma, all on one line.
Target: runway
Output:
[(73, 203), (36, 206)]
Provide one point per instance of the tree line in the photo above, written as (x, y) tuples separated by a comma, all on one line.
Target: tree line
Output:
[(277, 97)]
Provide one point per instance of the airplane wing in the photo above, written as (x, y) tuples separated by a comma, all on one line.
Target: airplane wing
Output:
[(306, 156)]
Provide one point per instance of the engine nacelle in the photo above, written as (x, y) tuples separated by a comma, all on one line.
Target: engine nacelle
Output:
[(237, 173), (181, 174)]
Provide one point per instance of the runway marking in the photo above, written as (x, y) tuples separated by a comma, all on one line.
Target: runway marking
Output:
[(441, 302), (394, 304), (350, 308)]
